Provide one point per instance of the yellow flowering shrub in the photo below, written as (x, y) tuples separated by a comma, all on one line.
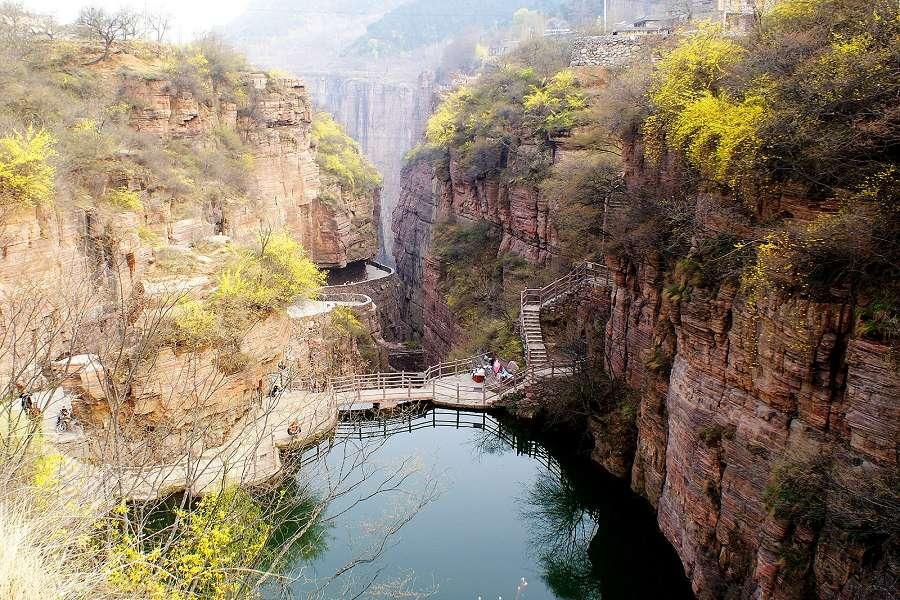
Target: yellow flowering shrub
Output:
[(124, 199), (215, 542), (256, 282), (719, 133), (193, 324), (270, 277), (26, 175), (340, 156)]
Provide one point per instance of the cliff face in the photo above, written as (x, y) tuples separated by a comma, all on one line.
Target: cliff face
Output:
[(752, 386), (192, 400), (286, 189), (386, 119), (412, 228), (80, 277), (731, 390), (519, 212)]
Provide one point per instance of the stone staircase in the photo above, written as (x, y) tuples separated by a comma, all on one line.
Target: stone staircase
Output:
[(532, 337), (534, 300)]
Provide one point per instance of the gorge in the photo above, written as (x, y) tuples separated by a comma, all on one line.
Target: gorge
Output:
[(606, 315)]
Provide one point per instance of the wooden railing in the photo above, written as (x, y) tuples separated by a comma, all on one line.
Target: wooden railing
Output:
[(442, 381), (395, 384), (575, 279)]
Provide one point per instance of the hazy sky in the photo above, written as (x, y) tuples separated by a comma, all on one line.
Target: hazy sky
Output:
[(189, 17)]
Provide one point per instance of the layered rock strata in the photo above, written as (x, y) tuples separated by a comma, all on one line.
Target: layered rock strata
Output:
[(520, 213), (731, 388), (75, 279)]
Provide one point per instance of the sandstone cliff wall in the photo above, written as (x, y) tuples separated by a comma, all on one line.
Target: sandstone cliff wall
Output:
[(519, 212), (751, 387), (74, 276), (180, 401), (386, 119), (730, 390), (286, 185), (412, 226)]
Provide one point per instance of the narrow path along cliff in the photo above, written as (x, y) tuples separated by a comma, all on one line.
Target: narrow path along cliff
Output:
[(251, 455)]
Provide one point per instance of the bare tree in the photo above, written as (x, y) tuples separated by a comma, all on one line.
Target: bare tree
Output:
[(76, 337), (107, 28), (130, 23), (157, 25)]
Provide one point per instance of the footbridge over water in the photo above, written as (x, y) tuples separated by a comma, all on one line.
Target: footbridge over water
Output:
[(251, 454)]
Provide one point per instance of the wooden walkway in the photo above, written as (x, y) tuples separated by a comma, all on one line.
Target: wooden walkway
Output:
[(251, 455)]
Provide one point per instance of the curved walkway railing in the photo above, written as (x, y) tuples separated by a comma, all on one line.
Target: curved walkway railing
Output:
[(388, 271), (345, 298)]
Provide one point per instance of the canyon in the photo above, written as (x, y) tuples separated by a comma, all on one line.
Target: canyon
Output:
[(666, 300), (730, 387), (386, 118)]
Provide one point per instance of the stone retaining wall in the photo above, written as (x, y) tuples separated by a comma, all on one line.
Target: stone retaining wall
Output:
[(610, 50), (385, 292)]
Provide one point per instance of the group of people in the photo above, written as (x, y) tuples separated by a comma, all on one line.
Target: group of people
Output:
[(65, 421), (491, 363)]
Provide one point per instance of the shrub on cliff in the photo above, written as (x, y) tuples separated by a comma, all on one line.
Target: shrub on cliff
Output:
[(269, 277), (502, 123), (257, 281), (207, 68), (191, 324), (348, 324), (581, 185), (481, 287), (26, 176), (203, 556), (809, 99), (87, 110), (340, 157), (124, 199)]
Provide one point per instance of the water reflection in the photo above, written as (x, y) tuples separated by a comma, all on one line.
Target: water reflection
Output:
[(563, 529), (513, 519)]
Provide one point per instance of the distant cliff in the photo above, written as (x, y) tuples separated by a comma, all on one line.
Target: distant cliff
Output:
[(387, 120)]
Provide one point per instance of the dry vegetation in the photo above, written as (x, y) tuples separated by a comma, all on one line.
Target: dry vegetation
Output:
[(81, 336)]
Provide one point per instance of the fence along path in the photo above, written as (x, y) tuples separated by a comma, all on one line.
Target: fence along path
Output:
[(251, 454), (534, 300), (450, 383)]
